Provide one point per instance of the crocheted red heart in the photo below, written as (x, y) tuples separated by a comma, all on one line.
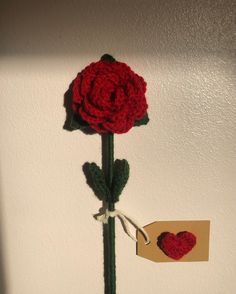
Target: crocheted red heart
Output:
[(176, 246)]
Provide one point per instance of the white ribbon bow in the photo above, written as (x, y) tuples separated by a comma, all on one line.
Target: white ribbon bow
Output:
[(125, 219)]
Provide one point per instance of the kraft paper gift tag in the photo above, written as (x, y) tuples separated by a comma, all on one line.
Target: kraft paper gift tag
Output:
[(199, 229)]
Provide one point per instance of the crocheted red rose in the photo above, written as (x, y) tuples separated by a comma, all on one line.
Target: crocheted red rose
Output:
[(109, 96)]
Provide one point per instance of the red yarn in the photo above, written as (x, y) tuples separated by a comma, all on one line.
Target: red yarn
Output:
[(109, 96), (176, 246)]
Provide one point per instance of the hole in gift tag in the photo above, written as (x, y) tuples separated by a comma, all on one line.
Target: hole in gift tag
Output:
[(176, 245)]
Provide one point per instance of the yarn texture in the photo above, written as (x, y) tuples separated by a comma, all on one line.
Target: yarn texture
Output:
[(109, 96), (120, 178), (104, 190), (99, 183), (176, 246)]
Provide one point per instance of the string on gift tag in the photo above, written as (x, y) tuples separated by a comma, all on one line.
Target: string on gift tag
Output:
[(126, 220)]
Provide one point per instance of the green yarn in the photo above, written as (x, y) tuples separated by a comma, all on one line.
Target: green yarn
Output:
[(109, 229), (112, 256), (77, 123), (143, 121), (108, 57), (120, 178), (109, 187), (99, 185), (108, 183)]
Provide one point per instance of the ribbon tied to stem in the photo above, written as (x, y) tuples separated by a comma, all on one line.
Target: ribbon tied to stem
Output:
[(126, 220)]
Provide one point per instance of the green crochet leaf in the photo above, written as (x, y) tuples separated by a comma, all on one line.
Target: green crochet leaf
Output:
[(120, 177), (77, 122), (98, 183), (107, 57), (142, 121)]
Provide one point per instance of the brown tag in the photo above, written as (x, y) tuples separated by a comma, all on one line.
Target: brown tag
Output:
[(175, 241)]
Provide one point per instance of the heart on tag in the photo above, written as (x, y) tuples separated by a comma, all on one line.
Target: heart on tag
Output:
[(176, 245)]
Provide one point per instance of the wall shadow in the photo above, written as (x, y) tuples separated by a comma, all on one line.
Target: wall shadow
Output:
[(128, 27), (85, 27), (3, 284)]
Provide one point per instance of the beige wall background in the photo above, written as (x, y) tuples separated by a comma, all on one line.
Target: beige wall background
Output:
[(183, 163)]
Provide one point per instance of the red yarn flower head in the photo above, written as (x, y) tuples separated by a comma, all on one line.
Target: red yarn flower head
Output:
[(109, 97)]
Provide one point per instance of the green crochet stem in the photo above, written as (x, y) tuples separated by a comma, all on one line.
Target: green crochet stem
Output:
[(109, 229)]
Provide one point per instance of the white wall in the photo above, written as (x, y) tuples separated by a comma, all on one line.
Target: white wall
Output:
[(183, 163)]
